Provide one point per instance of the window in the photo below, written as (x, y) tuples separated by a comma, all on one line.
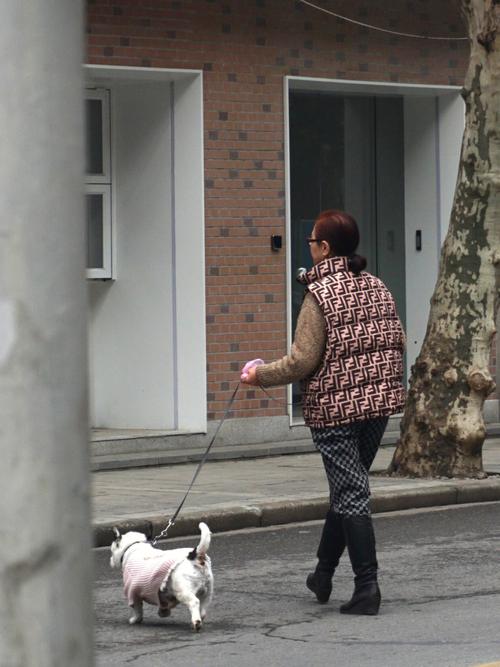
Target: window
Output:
[(98, 185)]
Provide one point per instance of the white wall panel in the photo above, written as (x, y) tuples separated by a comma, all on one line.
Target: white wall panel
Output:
[(131, 318), (421, 213), (451, 121), (190, 255)]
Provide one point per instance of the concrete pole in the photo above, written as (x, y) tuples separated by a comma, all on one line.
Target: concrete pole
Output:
[(45, 555)]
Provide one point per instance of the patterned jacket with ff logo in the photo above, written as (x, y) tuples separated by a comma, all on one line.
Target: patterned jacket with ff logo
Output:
[(360, 376)]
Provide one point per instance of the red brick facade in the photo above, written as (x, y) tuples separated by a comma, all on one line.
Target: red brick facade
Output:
[(245, 48)]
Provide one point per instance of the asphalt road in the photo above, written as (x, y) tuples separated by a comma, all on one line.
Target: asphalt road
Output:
[(440, 581)]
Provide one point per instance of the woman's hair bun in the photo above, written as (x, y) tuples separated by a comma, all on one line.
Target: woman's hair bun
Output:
[(356, 263)]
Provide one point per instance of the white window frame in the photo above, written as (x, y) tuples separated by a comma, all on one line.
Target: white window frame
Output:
[(104, 272), (102, 184), (102, 94)]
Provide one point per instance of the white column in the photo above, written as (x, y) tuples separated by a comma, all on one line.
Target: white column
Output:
[(421, 214), (45, 556), (451, 121)]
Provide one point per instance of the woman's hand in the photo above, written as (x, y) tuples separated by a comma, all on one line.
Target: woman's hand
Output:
[(249, 373), (250, 377)]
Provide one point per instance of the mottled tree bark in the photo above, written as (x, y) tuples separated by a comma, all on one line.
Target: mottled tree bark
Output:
[(442, 431)]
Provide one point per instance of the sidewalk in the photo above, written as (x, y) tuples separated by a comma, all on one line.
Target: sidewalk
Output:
[(260, 492)]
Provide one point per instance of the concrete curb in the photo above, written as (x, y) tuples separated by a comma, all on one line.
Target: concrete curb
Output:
[(293, 510)]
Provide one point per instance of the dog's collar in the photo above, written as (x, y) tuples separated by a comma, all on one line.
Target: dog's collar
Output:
[(130, 545)]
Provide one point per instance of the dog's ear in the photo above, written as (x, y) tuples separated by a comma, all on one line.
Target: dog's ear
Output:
[(116, 532)]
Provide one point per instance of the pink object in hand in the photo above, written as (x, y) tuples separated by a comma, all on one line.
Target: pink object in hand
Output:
[(248, 366)]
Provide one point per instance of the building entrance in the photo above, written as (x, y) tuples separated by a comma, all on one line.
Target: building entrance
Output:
[(347, 152)]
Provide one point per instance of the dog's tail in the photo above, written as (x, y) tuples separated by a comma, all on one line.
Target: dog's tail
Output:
[(199, 553)]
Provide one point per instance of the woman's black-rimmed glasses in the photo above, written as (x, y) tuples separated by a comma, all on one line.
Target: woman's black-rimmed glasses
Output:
[(310, 240)]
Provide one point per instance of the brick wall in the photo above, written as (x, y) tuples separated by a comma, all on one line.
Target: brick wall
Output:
[(245, 49)]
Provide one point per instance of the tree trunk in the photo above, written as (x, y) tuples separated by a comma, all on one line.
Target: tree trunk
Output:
[(442, 431)]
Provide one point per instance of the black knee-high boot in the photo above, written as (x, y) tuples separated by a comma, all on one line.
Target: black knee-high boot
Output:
[(330, 549), (360, 540)]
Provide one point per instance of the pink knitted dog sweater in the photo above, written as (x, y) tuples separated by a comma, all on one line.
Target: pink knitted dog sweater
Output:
[(145, 569)]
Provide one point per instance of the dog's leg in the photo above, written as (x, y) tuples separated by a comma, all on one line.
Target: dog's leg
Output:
[(165, 604), (193, 604), (163, 612), (206, 599), (137, 615), (204, 602)]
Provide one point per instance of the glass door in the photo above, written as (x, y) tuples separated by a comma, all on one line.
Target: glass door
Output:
[(346, 152)]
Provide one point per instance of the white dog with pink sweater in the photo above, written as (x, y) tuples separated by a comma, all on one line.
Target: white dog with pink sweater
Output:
[(164, 578)]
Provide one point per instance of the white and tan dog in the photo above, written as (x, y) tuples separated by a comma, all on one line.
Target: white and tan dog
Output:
[(164, 578)]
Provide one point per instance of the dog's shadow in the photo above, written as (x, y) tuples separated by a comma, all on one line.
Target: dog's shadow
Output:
[(179, 626)]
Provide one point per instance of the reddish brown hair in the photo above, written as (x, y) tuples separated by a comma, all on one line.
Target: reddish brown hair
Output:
[(341, 231)]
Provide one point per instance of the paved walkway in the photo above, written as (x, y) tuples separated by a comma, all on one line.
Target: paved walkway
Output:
[(260, 492)]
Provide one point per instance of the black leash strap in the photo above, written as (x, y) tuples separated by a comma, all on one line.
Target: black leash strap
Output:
[(197, 471)]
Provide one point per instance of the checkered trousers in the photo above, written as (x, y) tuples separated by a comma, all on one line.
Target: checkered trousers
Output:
[(348, 451)]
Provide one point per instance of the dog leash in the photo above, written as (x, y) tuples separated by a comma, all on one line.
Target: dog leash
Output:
[(171, 521)]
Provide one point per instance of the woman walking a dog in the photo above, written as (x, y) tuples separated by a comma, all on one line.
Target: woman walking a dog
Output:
[(348, 353)]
